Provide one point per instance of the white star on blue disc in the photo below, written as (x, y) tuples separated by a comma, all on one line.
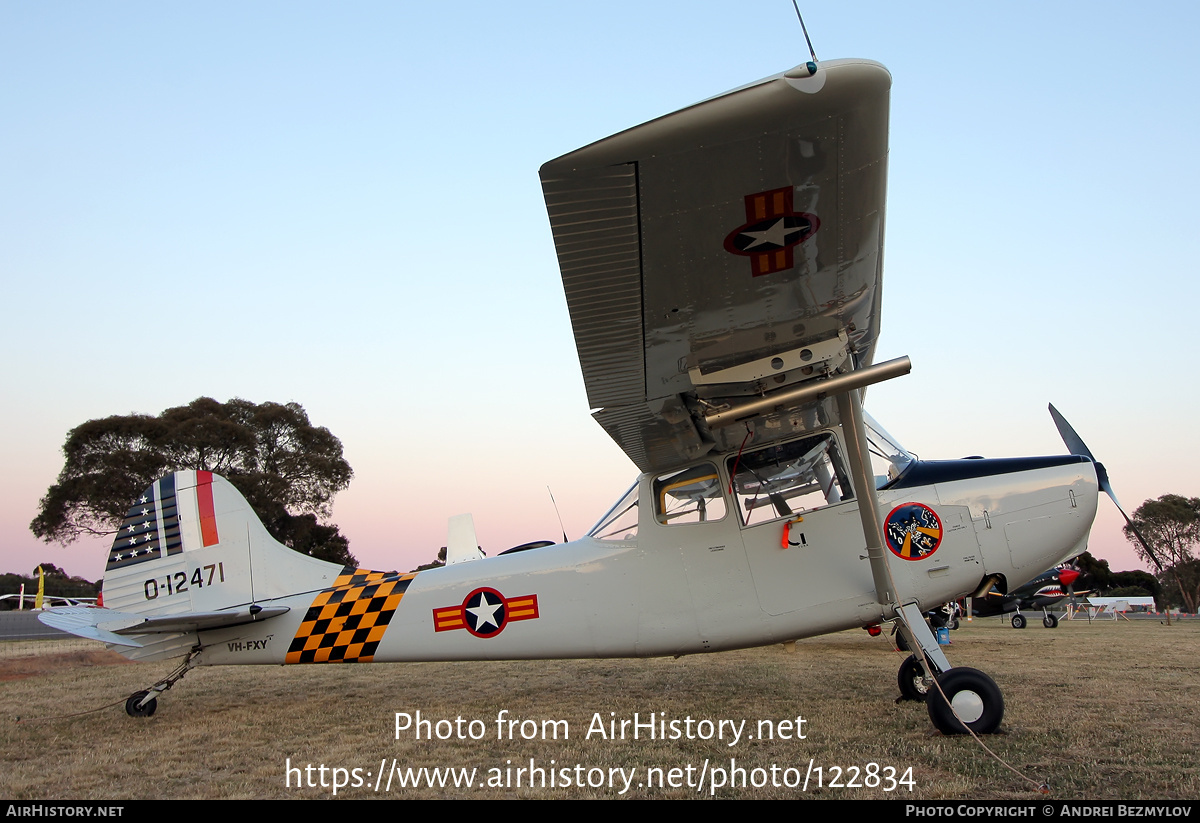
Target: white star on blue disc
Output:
[(485, 612)]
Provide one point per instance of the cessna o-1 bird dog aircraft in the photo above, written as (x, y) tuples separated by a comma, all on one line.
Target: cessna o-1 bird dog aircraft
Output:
[(722, 266)]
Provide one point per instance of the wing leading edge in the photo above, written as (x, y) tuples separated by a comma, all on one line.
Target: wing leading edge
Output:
[(726, 251)]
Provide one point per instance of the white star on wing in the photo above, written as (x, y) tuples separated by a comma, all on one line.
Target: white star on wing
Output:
[(485, 612), (776, 235)]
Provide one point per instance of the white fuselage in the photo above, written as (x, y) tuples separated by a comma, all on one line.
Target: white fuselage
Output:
[(671, 589)]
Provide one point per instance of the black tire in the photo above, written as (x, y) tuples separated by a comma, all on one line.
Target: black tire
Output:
[(953, 624), (131, 705), (974, 695), (1050, 621), (1018, 621), (901, 643), (910, 680)]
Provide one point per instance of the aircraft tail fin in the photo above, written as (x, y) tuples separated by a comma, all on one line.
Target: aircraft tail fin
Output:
[(191, 544)]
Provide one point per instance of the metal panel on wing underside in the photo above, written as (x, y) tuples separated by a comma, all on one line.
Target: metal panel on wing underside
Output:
[(739, 228)]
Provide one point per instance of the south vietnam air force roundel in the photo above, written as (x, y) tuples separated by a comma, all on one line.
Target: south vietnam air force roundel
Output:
[(485, 612), (913, 531), (771, 231)]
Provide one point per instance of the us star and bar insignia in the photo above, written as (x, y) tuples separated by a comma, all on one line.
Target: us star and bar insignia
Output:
[(345, 623), (771, 231), (485, 612)]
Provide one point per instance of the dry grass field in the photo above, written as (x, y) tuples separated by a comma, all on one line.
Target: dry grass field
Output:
[(1100, 711)]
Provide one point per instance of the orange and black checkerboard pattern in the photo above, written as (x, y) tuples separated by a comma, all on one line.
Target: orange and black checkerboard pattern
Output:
[(345, 623)]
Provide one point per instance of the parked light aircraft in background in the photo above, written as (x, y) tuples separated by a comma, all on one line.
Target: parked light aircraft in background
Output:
[(722, 267), (1045, 590)]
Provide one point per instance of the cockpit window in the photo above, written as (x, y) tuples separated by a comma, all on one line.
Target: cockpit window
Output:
[(783, 480), (621, 521), (689, 496)]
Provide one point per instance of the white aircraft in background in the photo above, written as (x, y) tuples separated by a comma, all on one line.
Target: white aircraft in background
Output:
[(722, 266)]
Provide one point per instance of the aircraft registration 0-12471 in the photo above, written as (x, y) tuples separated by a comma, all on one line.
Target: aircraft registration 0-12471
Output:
[(722, 266)]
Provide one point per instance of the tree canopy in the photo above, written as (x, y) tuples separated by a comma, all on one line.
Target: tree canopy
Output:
[(1171, 525), (288, 469)]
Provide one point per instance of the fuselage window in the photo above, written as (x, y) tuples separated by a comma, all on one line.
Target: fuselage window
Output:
[(690, 496), (783, 480)]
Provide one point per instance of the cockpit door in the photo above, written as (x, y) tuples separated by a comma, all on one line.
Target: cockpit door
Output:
[(690, 534)]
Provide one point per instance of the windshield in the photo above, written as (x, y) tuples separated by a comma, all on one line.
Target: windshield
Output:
[(621, 521), (887, 455)]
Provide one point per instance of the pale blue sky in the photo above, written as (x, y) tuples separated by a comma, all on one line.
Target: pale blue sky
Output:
[(338, 204)]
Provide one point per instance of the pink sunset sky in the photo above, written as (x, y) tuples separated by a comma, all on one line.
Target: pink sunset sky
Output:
[(340, 206)]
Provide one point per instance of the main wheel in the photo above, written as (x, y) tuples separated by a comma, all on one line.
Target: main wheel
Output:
[(911, 680), (973, 696), (1018, 621), (133, 710), (953, 624), (1050, 621)]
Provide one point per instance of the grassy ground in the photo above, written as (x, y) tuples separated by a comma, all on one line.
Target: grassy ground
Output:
[(1100, 711)]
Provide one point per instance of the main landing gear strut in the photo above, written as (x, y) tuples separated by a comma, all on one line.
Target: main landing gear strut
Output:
[(145, 702), (958, 699)]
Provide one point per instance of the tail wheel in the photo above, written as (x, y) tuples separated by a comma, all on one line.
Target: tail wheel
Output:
[(1018, 621), (973, 696), (911, 680), (1050, 621), (133, 710)]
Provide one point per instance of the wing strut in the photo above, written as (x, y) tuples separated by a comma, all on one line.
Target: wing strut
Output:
[(915, 629)]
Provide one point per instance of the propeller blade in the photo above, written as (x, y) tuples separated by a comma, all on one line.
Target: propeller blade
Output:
[(1137, 533), (1072, 575), (1074, 442), (1076, 445)]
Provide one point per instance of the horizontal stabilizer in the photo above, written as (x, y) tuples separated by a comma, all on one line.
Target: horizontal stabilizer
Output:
[(109, 625), (82, 621)]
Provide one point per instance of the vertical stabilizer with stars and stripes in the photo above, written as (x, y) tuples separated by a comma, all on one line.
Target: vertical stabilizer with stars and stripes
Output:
[(191, 543)]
